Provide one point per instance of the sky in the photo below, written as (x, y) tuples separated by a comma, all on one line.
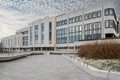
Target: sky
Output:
[(16, 14)]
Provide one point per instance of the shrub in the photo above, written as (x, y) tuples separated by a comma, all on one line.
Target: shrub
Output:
[(106, 50)]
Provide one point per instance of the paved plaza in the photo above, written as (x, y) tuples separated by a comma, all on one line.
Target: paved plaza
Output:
[(42, 67)]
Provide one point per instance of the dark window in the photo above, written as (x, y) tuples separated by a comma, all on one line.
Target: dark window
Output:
[(90, 15), (50, 31), (109, 24), (99, 13), (85, 16), (94, 14), (61, 36), (109, 11), (80, 18)]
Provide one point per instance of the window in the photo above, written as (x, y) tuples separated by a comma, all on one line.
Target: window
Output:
[(36, 34), (30, 35), (71, 34), (61, 36), (99, 13), (25, 41), (78, 35), (42, 33), (90, 15), (50, 31), (94, 14), (93, 30), (97, 30), (76, 18), (109, 24), (80, 18), (109, 11), (85, 16)]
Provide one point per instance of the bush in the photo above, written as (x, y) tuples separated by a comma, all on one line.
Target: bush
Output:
[(106, 50)]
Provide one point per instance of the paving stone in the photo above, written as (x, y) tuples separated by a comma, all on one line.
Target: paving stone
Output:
[(42, 67)]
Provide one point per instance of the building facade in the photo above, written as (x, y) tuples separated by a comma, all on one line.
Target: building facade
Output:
[(66, 31)]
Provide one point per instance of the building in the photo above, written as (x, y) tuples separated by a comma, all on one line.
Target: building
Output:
[(66, 32)]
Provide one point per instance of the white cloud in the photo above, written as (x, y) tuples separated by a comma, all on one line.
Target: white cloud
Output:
[(11, 21), (16, 14)]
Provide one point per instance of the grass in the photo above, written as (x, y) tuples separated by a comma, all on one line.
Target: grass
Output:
[(106, 50)]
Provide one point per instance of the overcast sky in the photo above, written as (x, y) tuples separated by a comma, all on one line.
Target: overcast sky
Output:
[(16, 14)]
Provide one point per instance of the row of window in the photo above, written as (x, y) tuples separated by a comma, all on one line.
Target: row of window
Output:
[(92, 31), (92, 15), (60, 23), (75, 19)]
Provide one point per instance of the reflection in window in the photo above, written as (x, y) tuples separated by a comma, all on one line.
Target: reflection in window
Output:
[(99, 13), (61, 36), (36, 34), (42, 33)]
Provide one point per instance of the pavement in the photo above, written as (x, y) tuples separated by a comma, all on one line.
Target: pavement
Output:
[(42, 67)]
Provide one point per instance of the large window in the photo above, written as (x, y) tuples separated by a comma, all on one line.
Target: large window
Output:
[(97, 30), (36, 34), (61, 36), (78, 35), (109, 11), (30, 35), (25, 41), (42, 33), (93, 30), (90, 15), (88, 31), (71, 34), (110, 24)]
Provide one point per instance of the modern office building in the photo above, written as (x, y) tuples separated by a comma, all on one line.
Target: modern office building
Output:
[(66, 32)]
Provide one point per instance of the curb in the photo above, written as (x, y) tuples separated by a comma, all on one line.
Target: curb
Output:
[(94, 71)]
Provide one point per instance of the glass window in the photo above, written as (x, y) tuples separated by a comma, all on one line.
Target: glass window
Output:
[(111, 11), (94, 14), (99, 13), (80, 18), (85, 16), (76, 19), (106, 12), (90, 15), (109, 24)]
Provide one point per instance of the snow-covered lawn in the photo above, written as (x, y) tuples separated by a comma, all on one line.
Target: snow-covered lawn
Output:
[(104, 64)]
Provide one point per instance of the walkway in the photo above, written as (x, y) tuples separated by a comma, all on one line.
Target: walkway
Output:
[(42, 67)]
